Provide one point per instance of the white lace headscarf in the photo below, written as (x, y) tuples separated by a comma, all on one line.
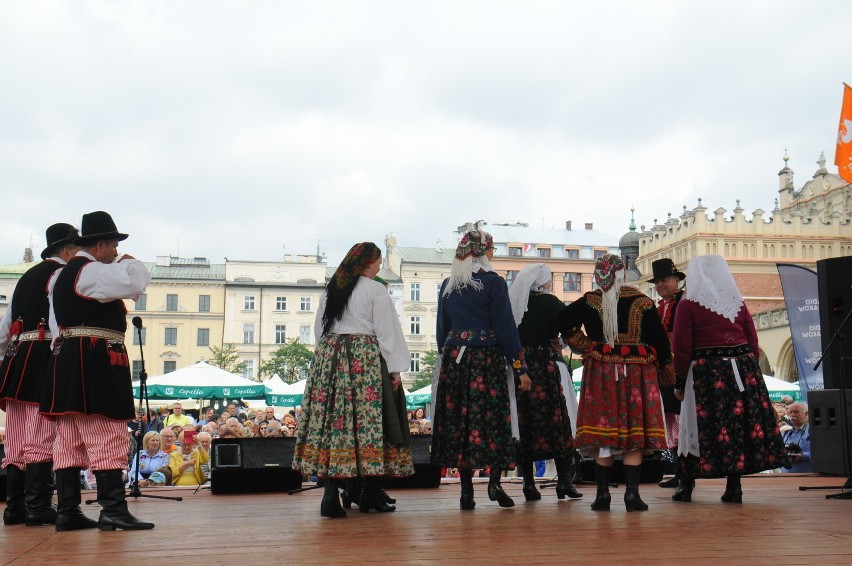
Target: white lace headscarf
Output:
[(609, 276), (536, 277), (712, 286)]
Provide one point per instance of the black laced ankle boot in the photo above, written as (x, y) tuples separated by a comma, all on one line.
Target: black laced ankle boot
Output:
[(466, 501), (495, 489), (330, 504), (527, 471), (632, 501), (733, 490), (565, 486), (603, 498)]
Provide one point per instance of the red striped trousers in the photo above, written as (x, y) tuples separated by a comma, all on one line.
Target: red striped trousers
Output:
[(30, 436), (90, 441)]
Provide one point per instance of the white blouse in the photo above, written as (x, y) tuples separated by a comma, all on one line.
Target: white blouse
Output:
[(371, 312)]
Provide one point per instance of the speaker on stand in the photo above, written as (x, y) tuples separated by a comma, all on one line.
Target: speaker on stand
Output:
[(830, 410)]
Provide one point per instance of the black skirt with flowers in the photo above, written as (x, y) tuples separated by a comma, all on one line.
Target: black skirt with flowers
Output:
[(543, 419), (471, 427)]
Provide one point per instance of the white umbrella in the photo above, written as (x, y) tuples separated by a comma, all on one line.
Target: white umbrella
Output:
[(203, 381)]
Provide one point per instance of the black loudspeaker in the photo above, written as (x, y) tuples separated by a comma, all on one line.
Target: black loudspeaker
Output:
[(426, 474), (835, 302), (652, 469), (252, 465), (830, 431)]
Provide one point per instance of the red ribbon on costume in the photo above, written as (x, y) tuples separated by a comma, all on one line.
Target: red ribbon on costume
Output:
[(41, 330), (17, 327)]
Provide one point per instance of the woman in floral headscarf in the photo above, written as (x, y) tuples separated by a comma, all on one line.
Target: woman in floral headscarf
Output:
[(353, 420), (472, 424), (543, 419), (625, 356), (728, 427)]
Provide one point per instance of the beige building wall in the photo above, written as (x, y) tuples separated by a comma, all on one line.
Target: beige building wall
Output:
[(185, 296), (264, 298)]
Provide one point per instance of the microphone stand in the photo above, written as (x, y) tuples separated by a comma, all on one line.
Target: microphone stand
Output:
[(135, 492)]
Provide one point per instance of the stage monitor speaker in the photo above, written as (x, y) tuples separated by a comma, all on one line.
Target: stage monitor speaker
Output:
[(253, 465), (834, 278), (830, 431), (426, 474)]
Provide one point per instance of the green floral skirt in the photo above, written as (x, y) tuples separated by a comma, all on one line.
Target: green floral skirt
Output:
[(342, 431)]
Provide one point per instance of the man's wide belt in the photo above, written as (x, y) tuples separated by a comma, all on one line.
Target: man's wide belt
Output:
[(92, 332), (32, 336)]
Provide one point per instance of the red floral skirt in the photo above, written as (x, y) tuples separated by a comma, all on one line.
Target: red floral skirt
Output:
[(620, 406)]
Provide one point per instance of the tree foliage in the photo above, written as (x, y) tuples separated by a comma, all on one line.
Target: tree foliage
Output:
[(427, 364), (227, 359), (291, 362)]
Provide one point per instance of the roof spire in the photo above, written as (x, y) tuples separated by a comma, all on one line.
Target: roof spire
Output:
[(632, 226)]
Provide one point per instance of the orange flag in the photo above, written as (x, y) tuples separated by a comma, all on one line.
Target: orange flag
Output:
[(843, 155)]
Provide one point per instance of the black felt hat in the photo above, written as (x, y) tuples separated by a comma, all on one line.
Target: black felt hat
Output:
[(97, 226), (57, 236), (663, 268)]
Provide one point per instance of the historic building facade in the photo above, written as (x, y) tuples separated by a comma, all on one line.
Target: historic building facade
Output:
[(806, 225)]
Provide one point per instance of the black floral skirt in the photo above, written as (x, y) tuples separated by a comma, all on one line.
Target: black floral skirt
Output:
[(543, 419), (472, 424), (737, 428)]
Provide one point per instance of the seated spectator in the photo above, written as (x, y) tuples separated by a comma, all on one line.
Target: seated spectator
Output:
[(289, 429), (414, 427), (227, 432), (209, 416), (261, 429), (167, 436), (245, 432), (420, 416), (269, 413), (204, 441), (426, 428), (159, 478), (273, 429), (151, 457), (797, 439), (186, 463)]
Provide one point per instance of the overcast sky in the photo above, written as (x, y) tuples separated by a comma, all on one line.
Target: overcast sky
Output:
[(254, 128)]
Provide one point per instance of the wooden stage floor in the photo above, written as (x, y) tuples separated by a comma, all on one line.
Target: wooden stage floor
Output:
[(777, 524)]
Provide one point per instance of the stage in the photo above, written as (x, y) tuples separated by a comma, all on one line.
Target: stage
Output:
[(776, 524)]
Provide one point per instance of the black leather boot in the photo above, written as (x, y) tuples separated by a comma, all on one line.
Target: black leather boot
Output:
[(733, 490), (495, 490), (684, 490), (69, 515), (565, 486), (632, 501), (602, 498), (330, 504), (111, 497), (351, 492), (466, 501), (673, 481), (374, 497), (39, 495), (15, 512), (527, 471)]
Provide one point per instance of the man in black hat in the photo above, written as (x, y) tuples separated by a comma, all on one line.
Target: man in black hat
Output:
[(25, 341), (90, 393), (666, 281)]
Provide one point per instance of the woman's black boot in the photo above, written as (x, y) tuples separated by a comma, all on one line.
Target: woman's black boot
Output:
[(632, 501), (603, 498), (466, 501), (528, 473), (733, 490), (565, 486), (351, 492), (330, 504), (495, 490), (373, 497), (684, 490)]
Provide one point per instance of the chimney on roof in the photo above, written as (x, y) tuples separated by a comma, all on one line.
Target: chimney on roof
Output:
[(589, 226), (568, 225)]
